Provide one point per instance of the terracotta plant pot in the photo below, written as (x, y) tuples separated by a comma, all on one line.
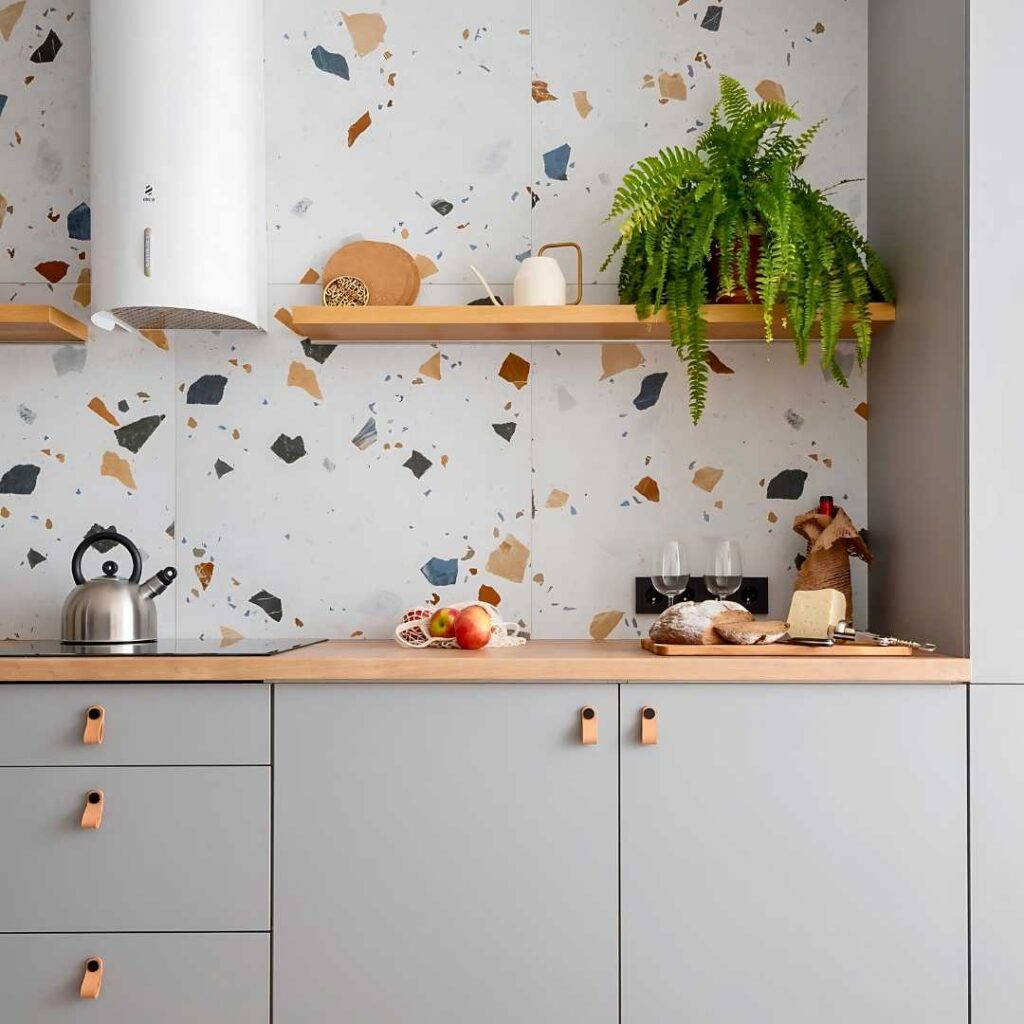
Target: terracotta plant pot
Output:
[(737, 295)]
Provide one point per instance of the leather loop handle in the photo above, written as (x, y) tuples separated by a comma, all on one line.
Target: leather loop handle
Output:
[(92, 979), (117, 538), (95, 722), (579, 265), (588, 726), (92, 816), (648, 726)]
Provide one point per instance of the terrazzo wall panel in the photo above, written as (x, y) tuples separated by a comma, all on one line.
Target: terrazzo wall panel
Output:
[(315, 490)]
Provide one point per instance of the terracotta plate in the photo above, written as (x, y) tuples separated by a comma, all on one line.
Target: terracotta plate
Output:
[(389, 272)]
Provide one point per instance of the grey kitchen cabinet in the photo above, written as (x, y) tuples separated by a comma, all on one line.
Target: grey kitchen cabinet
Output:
[(147, 979), (445, 853), (997, 852), (178, 849), (794, 854), (144, 723)]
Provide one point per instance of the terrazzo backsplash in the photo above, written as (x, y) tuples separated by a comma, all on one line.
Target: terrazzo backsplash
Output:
[(314, 490)]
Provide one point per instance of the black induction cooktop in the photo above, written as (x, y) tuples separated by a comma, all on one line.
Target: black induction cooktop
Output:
[(158, 648)]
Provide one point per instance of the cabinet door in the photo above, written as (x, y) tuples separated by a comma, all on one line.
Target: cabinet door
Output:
[(997, 853), (147, 979), (144, 724), (445, 854), (178, 849), (794, 854)]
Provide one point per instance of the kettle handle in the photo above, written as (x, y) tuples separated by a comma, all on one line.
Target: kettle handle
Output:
[(117, 538), (579, 265)]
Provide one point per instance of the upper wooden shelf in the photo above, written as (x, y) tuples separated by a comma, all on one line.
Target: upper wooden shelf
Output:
[(40, 324), (532, 323)]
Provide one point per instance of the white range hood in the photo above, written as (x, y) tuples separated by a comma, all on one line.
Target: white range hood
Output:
[(178, 192)]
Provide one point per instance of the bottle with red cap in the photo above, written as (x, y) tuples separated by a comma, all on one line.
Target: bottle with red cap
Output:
[(826, 506)]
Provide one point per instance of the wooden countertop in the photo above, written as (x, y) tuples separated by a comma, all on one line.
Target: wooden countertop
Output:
[(540, 660)]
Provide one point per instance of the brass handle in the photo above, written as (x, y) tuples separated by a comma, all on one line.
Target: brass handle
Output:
[(648, 726), (579, 265), (588, 726), (95, 720), (92, 816), (92, 979)]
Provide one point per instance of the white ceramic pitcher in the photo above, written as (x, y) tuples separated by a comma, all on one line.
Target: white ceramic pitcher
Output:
[(540, 281)]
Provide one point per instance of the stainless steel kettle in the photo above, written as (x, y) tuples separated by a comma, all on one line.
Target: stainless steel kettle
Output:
[(110, 609)]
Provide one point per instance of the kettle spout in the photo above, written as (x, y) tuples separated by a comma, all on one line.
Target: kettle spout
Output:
[(157, 584)]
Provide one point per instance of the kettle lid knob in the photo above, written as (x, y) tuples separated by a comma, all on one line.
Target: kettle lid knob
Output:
[(110, 569)]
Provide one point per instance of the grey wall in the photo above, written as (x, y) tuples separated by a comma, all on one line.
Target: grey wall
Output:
[(996, 354), (917, 152)]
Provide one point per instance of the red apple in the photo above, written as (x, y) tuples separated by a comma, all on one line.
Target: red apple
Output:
[(473, 628), (442, 623)]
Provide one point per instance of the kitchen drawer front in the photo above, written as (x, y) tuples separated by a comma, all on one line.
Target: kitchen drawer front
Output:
[(147, 979), (144, 723), (178, 849)]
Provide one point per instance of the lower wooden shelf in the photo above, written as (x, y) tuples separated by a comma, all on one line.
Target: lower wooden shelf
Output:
[(596, 323), (45, 324)]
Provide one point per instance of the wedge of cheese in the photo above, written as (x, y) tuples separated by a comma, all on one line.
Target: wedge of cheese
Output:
[(815, 613)]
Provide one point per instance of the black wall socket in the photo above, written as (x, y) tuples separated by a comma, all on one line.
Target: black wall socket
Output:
[(753, 595)]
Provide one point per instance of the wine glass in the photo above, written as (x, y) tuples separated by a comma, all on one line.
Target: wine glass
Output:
[(723, 572), (671, 570)]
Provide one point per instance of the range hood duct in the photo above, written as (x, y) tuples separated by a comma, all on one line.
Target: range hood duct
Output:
[(178, 164)]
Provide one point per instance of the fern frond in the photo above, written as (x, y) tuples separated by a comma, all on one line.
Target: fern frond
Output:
[(681, 207)]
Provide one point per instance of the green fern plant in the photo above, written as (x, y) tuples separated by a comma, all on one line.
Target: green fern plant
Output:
[(740, 180)]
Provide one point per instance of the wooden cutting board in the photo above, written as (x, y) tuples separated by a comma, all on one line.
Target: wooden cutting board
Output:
[(388, 271), (852, 649)]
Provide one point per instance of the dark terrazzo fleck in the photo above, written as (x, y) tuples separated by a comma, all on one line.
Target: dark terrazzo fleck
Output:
[(332, 63), (441, 572), (19, 480), (650, 390), (417, 464), (289, 449), (787, 485), (47, 49), (134, 435), (206, 390), (318, 353), (269, 603), (712, 19)]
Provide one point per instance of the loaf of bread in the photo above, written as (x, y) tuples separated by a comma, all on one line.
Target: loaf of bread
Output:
[(693, 622)]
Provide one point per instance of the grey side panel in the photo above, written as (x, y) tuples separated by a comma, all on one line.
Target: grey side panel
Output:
[(917, 469), (794, 855), (146, 723), (179, 849), (147, 979), (445, 854), (997, 853), (997, 355)]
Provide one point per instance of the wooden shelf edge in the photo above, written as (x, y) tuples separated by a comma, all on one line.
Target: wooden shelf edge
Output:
[(587, 324), (40, 325)]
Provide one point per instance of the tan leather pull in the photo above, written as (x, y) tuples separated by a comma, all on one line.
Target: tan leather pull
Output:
[(92, 816), (95, 719), (648, 726), (92, 979), (588, 726)]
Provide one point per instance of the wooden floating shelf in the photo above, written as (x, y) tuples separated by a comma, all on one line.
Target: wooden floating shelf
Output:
[(45, 324), (354, 324)]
